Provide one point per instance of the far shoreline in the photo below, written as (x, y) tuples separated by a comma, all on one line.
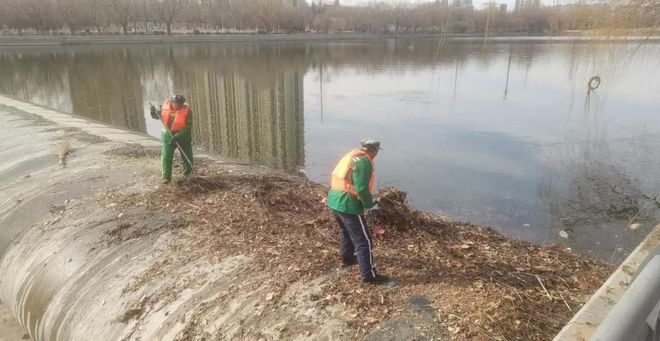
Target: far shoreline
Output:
[(118, 39)]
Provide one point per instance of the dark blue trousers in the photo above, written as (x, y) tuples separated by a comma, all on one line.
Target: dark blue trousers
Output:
[(354, 238)]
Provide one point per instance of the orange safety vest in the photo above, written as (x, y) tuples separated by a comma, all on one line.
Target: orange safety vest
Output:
[(340, 179), (180, 116)]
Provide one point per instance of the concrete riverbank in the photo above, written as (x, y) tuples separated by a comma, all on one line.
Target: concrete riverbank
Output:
[(92, 247), (63, 252), (10, 330), (55, 41), (59, 41)]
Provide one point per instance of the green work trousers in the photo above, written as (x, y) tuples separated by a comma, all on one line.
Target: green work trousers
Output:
[(167, 154)]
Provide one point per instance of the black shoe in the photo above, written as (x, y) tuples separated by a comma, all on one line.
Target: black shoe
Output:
[(349, 261), (378, 279)]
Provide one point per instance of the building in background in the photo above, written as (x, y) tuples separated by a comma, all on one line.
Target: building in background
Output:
[(298, 3), (493, 6), (466, 4), (525, 5)]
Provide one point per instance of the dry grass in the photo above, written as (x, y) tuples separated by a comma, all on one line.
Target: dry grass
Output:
[(63, 147)]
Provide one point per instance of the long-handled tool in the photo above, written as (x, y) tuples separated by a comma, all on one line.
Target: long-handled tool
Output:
[(156, 115)]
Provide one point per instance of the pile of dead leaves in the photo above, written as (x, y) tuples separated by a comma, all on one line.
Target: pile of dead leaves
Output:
[(480, 284), (394, 213)]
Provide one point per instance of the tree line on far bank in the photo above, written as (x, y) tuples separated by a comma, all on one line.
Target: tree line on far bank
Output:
[(279, 16)]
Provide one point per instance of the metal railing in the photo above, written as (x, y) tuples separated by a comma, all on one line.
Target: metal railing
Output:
[(635, 316)]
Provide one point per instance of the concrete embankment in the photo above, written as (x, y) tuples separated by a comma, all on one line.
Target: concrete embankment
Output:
[(68, 260), (54, 41), (58, 41), (10, 330)]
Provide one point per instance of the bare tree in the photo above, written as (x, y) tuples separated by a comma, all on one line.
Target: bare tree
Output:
[(263, 14), (609, 17), (122, 12), (70, 14), (4, 17), (95, 13), (36, 14), (167, 11)]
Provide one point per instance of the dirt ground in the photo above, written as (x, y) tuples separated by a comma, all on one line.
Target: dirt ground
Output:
[(452, 280)]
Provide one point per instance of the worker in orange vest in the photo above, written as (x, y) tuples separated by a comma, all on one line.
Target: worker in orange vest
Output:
[(176, 118), (351, 185)]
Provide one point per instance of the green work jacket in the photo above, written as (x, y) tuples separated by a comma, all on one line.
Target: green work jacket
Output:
[(360, 174)]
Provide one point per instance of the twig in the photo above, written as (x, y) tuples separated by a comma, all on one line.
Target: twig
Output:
[(566, 303), (563, 280), (515, 290), (638, 212), (191, 205), (543, 286)]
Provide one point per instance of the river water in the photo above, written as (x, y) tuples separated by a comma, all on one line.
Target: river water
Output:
[(506, 134)]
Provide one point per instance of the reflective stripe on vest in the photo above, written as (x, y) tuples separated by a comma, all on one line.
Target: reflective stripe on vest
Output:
[(340, 179), (180, 116)]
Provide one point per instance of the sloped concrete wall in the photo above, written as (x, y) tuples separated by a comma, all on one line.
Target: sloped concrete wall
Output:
[(74, 266)]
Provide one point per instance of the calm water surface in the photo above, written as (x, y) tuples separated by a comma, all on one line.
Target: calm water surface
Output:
[(506, 135)]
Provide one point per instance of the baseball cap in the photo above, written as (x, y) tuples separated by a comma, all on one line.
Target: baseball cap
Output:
[(370, 144)]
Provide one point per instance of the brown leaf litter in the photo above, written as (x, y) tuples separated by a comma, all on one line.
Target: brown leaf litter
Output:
[(479, 284)]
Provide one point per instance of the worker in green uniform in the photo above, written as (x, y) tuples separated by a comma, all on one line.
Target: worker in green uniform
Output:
[(176, 117), (350, 195)]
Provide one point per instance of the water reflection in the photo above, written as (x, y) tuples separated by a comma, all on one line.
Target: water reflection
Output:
[(107, 87), (248, 99), (261, 120), (502, 134), (39, 77)]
